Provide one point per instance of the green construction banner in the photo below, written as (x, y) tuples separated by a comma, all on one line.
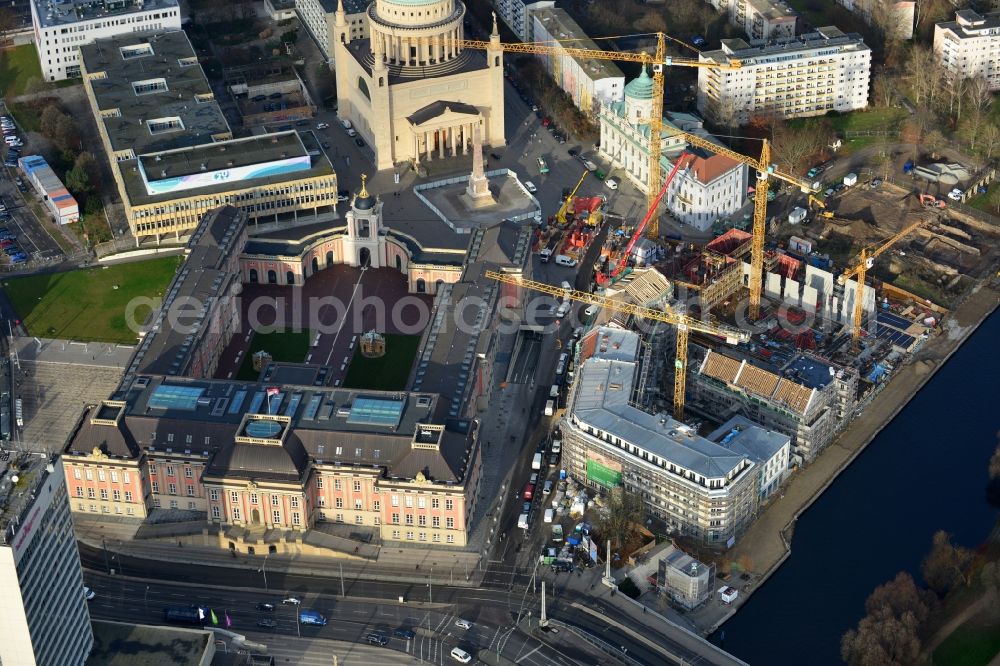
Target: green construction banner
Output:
[(605, 476)]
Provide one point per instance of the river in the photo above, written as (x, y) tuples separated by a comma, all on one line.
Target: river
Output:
[(927, 470)]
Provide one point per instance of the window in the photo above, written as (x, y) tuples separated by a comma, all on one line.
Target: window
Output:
[(395, 534), (357, 505), (359, 519), (336, 484), (395, 500), (173, 488), (409, 519), (409, 501), (213, 494), (319, 481), (357, 486), (449, 523), (422, 521), (116, 495), (190, 491), (339, 502), (125, 477), (128, 495), (173, 504), (276, 516), (100, 475), (90, 475), (409, 536), (449, 504), (79, 491), (436, 538), (114, 477), (395, 519), (170, 470), (377, 505), (156, 487), (236, 513), (435, 503), (216, 513), (234, 496), (76, 473), (187, 472), (274, 500), (295, 518), (149, 86), (421, 503), (295, 502), (253, 498), (451, 538), (435, 521)]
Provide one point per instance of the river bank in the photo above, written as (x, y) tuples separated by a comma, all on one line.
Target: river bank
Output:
[(766, 545)]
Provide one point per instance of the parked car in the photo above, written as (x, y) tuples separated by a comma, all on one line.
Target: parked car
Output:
[(528, 185), (294, 601), (351, 133), (267, 608), (88, 593), (876, 182), (359, 143), (322, 126), (463, 624), (611, 183), (377, 639), (404, 633), (956, 194), (460, 655), (267, 623)]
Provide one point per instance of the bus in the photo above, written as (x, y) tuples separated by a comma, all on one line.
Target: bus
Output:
[(542, 166), (183, 615)]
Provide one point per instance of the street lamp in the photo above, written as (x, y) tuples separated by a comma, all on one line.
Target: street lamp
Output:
[(263, 570), (145, 599)]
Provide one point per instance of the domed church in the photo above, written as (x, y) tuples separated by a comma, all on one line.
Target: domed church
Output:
[(410, 89)]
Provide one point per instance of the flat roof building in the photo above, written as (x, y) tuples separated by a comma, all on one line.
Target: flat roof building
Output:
[(516, 14), (62, 206), (764, 19), (44, 617), (62, 26), (319, 16), (809, 75), (969, 46), (172, 153), (895, 16), (590, 83)]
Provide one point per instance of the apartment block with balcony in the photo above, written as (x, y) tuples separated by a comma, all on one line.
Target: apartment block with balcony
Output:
[(318, 16), (810, 75), (516, 15), (969, 46), (898, 15), (764, 19)]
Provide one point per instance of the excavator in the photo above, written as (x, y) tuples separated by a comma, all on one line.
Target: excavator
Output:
[(606, 279)]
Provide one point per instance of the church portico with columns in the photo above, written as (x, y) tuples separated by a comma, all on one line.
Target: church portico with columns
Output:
[(410, 89)]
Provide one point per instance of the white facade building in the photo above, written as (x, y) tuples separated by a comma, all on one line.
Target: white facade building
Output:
[(770, 450), (516, 14), (823, 71), (764, 19), (61, 29), (318, 16), (706, 187), (969, 46), (590, 83), (44, 618)]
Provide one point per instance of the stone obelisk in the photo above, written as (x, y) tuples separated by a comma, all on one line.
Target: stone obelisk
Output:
[(478, 190)]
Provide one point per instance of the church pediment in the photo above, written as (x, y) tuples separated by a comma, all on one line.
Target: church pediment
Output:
[(442, 114)]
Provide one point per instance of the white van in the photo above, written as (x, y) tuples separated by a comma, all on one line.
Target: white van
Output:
[(522, 521), (550, 407), (566, 286), (590, 166), (563, 309), (611, 184), (563, 260), (536, 462), (591, 310), (530, 186), (345, 123), (549, 514), (458, 654), (545, 255), (554, 391)]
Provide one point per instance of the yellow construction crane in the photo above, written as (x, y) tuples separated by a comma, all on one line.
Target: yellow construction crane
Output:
[(684, 324), (561, 215), (865, 261), (764, 170), (657, 61)]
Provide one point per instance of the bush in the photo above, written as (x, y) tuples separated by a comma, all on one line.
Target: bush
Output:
[(628, 588)]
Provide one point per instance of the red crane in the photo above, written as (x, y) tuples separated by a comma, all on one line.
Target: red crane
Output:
[(623, 260)]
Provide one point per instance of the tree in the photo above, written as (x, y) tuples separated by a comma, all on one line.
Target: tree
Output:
[(883, 164), (978, 91), (888, 634), (934, 141), (971, 127), (946, 565), (79, 179), (990, 141), (623, 512), (792, 147), (884, 88)]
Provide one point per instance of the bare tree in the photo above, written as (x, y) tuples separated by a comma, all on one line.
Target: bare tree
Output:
[(884, 88), (918, 69), (979, 94), (934, 141), (7, 23), (889, 633), (955, 90), (989, 142), (971, 127), (946, 565), (792, 147), (883, 164), (624, 511)]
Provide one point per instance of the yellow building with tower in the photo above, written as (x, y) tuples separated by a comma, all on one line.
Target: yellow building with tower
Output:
[(410, 89)]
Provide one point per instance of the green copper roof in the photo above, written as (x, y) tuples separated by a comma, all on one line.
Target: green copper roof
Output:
[(640, 88)]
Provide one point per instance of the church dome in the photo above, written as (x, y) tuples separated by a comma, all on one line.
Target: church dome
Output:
[(640, 87)]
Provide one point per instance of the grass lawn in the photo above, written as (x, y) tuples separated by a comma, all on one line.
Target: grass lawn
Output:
[(873, 120), (388, 373), (84, 304), (285, 346), (974, 643), (987, 202), (17, 65)]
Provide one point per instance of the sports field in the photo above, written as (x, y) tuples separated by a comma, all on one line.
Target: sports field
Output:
[(284, 346), (89, 304), (388, 373)]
